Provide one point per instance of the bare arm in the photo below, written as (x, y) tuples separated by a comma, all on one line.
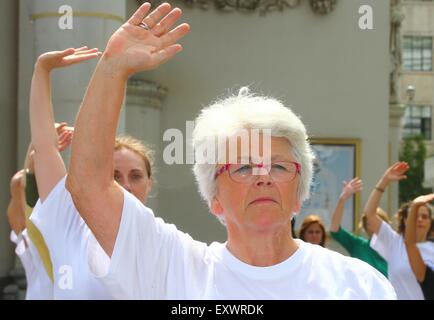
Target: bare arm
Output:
[(49, 166), (16, 207), (349, 189), (393, 173), (417, 264), (130, 49)]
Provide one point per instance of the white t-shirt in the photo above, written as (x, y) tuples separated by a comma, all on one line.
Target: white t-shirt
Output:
[(39, 285), (153, 260), (66, 236), (390, 245), (427, 251)]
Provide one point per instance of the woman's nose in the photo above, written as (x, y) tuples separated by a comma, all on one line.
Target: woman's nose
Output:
[(263, 179)]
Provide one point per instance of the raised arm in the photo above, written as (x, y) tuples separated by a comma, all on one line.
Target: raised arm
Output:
[(16, 207), (131, 49), (417, 264), (348, 190), (49, 166), (393, 173)]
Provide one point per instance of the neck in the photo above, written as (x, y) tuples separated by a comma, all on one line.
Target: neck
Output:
[(421, 237), (261, 249)]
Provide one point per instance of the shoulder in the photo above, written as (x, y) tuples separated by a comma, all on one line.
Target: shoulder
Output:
[(360, 278)]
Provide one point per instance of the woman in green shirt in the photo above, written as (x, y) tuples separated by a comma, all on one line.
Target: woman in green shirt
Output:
[(357, 246)]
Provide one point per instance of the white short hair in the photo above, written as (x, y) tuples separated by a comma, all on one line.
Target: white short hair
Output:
[(226, 117)]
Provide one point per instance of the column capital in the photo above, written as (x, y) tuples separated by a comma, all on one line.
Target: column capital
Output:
[(396, 112), (145, 93)]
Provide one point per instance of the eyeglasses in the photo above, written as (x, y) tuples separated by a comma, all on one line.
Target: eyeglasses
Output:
[(282, 171)]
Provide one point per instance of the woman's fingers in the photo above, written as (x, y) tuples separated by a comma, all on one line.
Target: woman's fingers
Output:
[(140, 13), (60, 127), (173, 36), (166, 54), (86, 51), (156, 15), (81, 49), (64, 141), (82, 57), (66, 52), (167, 22)]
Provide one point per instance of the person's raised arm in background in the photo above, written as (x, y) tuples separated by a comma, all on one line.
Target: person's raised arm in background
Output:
[(49, 166), (348, 190), (395, 172)]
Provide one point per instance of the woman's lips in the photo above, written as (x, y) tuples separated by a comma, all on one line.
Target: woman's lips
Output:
[(263, 200)]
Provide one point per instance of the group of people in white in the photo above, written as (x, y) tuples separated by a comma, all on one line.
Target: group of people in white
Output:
[(86, 233)]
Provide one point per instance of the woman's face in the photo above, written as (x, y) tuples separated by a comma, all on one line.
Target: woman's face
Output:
[(313, 234), (423, 222), (130, 172), (262, 205)]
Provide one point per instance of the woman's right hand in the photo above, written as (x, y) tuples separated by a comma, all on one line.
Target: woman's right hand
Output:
[(133, 48), (64, 136), (351, 187), (59, 59), (396, 172)]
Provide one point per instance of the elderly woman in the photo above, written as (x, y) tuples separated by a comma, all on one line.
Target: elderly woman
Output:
[(255, 199)]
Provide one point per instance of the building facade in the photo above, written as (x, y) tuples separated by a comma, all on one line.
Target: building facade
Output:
[(313, 55), (417, 76)]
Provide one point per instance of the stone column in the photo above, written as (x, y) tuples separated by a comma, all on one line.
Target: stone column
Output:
[(396, 112), (142, 119), (396, 109)]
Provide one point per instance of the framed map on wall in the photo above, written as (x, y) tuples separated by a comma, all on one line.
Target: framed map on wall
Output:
[(336, 160)]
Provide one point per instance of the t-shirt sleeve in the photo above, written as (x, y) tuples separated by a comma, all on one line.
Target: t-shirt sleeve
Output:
[(375, 283), (150, 260), (426, 250), (345, 239), (58, 221), (23, 253), (384, 241)]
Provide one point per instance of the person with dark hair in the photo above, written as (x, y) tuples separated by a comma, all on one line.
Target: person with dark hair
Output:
[(313, 230), (391, 244), (420, 215)]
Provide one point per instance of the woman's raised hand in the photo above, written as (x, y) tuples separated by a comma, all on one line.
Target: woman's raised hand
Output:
[(58, 59), (146, 40)]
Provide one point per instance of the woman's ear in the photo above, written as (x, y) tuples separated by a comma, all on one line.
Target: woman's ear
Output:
[(216, 207)]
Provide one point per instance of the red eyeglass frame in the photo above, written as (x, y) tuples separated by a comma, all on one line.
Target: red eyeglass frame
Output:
[(259, 165)]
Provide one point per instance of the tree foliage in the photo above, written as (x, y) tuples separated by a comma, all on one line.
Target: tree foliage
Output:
[(413, 151)]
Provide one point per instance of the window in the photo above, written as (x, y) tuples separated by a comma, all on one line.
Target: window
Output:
[(417, 120), (417, 53)]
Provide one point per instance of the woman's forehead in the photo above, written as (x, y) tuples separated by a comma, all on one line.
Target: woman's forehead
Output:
[(277, 149), (424, 210), (125, 157)]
